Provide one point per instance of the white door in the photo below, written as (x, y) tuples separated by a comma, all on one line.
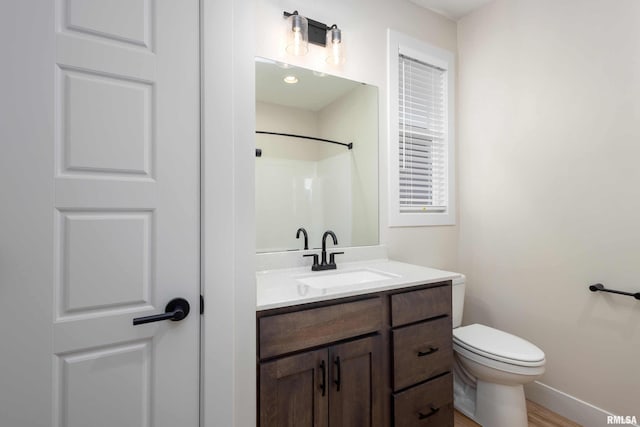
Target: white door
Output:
[(110, 184)]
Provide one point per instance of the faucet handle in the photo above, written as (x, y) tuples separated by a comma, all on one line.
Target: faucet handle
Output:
[(315, 259), (332, 257)]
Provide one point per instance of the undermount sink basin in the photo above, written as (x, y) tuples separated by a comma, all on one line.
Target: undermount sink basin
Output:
[(344, 278)]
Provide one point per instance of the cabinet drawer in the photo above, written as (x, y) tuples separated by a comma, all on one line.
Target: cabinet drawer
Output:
[(421, 351), (285, 333), (409, 307), (429, 404)]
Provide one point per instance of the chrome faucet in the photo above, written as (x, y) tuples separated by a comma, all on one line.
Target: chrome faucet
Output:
[(324, 265), (306, 237)]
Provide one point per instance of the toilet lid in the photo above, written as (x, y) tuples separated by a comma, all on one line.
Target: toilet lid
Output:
[(497, 344)]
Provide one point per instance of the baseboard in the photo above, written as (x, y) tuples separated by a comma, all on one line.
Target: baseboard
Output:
[(568, 406)]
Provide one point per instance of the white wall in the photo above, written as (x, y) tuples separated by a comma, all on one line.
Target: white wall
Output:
[(228, 223), (298, 182), (286, 177), (549, 113), (364, 24), (278, 118), (335, 176), (350, 119), (27, 129)]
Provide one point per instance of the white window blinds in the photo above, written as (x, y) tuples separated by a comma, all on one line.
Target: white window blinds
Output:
[(422, 139)]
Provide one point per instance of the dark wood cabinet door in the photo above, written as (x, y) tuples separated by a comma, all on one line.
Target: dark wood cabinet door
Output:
[(291, 392), (356, 386)]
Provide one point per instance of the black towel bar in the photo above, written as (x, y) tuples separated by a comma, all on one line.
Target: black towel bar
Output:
[(599, 287)]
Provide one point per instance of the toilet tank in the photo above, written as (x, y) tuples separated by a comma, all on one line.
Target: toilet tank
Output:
[(457, 300)]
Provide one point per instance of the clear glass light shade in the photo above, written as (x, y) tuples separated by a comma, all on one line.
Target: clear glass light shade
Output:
[(297, 35), (335, 46)]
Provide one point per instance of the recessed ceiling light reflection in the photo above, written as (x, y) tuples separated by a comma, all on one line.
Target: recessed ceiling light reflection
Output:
[(291, 80)]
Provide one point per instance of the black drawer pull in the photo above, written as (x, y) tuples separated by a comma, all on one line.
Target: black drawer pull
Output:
[(339, 379), (323, 384), (428, 352), (433, 411)]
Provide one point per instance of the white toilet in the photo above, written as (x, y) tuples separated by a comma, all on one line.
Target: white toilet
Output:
[(490, 369)]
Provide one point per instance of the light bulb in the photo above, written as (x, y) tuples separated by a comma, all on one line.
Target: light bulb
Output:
[(297, 35), (335, 47)]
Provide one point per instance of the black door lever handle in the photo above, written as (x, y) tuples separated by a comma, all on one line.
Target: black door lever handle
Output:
[(176, 310)]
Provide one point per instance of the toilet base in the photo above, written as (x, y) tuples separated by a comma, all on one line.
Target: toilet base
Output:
[(499, 405)]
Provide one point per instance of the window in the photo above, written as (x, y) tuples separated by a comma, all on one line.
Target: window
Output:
[(421, 151)]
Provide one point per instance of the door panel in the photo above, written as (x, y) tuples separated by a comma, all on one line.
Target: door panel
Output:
[(105, 19), (290, 391), (90, 285), (90, 376), (355, 384), (108, 124), (126, 212)]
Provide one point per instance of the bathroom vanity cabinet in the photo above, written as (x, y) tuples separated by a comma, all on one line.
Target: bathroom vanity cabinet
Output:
[(380, 359)]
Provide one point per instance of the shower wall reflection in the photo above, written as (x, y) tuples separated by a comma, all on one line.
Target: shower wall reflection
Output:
[(311, 184)]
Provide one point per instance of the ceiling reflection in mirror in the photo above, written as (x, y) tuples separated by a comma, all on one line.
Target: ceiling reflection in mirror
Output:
[(317, 136)]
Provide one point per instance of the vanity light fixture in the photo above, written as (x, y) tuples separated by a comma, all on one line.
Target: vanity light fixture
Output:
[(301, 31)]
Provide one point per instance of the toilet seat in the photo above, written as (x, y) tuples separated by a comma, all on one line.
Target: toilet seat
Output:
[(498, 365), (484, 342)]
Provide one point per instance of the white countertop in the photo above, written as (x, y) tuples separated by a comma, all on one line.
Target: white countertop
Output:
[(281, 287)]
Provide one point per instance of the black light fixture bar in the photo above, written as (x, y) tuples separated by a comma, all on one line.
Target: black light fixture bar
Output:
[(317, 30), (599, 287), (349, 145)]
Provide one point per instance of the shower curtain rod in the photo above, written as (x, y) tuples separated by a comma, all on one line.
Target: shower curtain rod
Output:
[(349, 145)]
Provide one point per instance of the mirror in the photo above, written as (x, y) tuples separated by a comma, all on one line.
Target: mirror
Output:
[(306, 174)]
